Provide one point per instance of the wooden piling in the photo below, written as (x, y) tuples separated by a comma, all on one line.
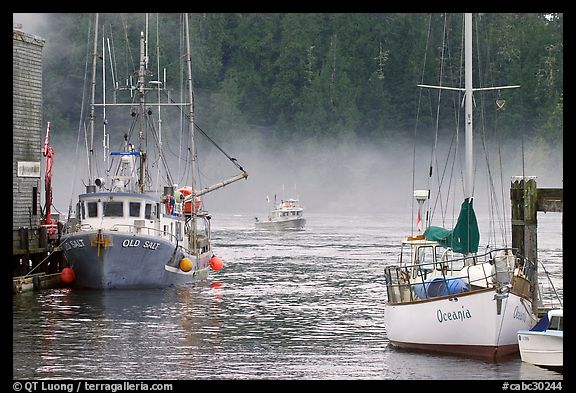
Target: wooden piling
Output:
[(526, 201)]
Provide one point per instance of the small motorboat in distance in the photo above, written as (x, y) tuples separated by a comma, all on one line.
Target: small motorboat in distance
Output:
[(288, 214)]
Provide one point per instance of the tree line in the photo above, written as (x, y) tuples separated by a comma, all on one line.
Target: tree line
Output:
[(339, 76)]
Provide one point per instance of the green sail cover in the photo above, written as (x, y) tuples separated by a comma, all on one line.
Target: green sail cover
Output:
[(465, 236)]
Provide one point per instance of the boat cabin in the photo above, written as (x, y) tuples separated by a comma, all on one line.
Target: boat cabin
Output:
[(126, 212), (552, 320)]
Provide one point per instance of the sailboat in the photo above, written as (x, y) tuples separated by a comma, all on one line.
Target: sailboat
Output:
[(128, 232), (444, 296)]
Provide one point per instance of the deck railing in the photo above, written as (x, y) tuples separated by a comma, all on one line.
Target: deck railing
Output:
[(422, 281)]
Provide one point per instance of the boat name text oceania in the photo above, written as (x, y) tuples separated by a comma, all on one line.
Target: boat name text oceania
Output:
[(453, 315), (520, 315)]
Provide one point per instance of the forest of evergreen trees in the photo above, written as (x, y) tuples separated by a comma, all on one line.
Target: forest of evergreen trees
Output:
[(342, 76)]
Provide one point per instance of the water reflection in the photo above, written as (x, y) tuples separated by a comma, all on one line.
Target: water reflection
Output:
[(295, 305)]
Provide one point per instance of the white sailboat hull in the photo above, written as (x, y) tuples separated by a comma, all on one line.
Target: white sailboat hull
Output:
[(472, 323)]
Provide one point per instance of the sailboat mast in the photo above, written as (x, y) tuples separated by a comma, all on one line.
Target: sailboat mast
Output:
[(191, 127), (92, 98), (191, 98), (469, 173), (141, 112)]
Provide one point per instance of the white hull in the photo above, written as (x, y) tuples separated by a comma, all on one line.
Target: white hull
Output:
[(542, 348), (296, 223), (468, 323)]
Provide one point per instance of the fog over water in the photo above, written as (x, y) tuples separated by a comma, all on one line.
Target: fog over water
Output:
[(327, 177)]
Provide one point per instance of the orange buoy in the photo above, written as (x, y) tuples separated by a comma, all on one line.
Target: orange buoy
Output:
[(215, 263), (185, 264), (67, 275)]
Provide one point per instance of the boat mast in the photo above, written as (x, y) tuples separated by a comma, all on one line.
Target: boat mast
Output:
[(469, 171), (141, 112), (191, 127), (93, 93), (158, 87), (190, 98), (103, 97), (468, 91)]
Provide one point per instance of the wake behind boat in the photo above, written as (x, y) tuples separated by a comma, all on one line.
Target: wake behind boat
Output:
[(128, 232), (288, 214)]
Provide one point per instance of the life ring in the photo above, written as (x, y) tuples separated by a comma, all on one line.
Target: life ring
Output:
[(405, 275)]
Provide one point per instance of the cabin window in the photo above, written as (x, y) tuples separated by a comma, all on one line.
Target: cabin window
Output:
[(556, 323), (113, 209), (92, 208), (134, 209), (148, 211)]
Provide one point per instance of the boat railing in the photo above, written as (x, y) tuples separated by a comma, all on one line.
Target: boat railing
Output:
[(496, 268), (128, 228), (144, 230)]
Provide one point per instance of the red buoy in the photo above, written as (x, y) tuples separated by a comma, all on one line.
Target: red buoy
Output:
[(67, 275), (215, 263)]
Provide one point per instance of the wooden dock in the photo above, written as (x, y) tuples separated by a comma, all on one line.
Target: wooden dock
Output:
[(36, 281)]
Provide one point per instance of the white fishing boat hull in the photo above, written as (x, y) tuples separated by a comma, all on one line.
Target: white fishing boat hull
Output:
[(542, 348), (295, 223), (471, 323), (124, 260)]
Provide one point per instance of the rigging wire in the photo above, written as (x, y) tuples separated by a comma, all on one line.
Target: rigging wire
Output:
[(181, 82), (433, 153), (148, 121), (416, 125), (232, 159), (81, 120), (493, 204), (129, 56)]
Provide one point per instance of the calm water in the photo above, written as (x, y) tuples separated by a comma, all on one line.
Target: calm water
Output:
[(294, 305)]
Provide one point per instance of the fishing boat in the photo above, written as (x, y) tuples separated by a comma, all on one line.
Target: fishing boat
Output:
[(446, 296), (543, 345), (130, 231), (288, 214)]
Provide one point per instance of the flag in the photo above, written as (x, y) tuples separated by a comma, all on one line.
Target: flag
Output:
[(419, 222)]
